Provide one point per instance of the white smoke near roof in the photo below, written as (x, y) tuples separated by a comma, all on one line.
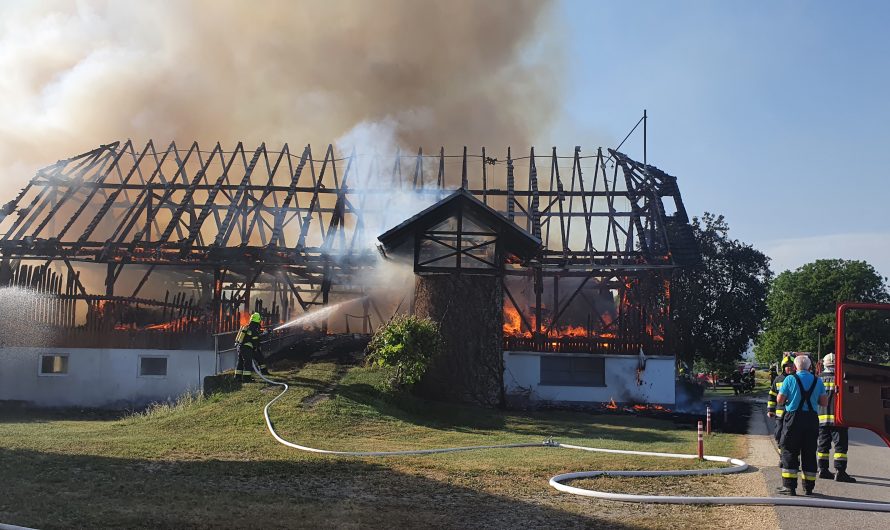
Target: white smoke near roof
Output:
[(378, 154), (79, 74), (375, 152), (16, 304)]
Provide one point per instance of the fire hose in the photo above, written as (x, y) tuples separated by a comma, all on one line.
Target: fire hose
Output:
[(559, 481)]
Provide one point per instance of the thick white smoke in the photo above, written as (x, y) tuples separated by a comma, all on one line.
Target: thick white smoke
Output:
[(78, 74), (378, 154)]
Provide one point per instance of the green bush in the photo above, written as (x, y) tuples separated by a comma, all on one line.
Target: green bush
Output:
[(406, 343)]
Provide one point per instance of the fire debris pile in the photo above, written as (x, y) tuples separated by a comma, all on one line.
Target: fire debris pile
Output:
[(122, 243)]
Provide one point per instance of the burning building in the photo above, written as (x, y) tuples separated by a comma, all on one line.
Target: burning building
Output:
[(148, 253), (583, 318)]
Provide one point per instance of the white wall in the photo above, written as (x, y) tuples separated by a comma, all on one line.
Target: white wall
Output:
[(523, 372), (100, 378), (228, 360)]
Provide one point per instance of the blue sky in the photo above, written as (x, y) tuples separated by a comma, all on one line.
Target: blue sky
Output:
[(774, 114)]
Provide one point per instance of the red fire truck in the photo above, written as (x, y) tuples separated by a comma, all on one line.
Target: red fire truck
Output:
[(863, 375)]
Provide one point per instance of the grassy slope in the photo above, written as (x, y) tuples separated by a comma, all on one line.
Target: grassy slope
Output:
[(210, 462)]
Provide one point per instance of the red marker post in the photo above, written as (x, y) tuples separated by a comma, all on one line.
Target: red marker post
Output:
[(701, 443), (709, 420)]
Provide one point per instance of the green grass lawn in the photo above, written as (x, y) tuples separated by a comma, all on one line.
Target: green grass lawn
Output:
[(209, 462), (719, 392)]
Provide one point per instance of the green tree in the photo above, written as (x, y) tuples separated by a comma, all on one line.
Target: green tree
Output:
[(802, 305), (719, 306)]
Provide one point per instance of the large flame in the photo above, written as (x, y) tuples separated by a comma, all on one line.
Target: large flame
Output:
[(513, 323), (598, 326), (513, 327)]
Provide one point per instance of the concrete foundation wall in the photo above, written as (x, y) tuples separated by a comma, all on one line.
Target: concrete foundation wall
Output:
[(522, 375), (100, 378)]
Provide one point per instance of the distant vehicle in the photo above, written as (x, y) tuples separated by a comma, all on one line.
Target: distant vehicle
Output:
[(704, 379), (746, 367)]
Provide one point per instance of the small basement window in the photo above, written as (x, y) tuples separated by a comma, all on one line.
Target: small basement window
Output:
[(54, 364), (573, 371), (152, 366)]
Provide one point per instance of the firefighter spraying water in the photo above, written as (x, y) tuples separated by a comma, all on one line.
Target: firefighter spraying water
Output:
[(318, 315), (247, 344)]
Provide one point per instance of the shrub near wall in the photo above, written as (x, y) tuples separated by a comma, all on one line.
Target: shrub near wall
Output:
[(406, 343)]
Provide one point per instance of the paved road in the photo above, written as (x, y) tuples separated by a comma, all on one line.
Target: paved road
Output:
[(869, 463)]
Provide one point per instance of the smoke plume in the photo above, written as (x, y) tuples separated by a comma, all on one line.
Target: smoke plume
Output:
[(78, 74)]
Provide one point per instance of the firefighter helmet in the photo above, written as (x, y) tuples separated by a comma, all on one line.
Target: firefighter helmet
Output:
[(788, 358), (828, 361), (256, 318)]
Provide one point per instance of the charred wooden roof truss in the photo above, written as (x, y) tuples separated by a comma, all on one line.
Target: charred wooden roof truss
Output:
[(293, 224)]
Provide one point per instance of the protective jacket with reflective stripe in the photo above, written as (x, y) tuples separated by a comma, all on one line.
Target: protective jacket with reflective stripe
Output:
[(248, 336), (771, 405), (826, 413)]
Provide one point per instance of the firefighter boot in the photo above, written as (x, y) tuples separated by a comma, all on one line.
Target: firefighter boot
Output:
[(808, 487), (785, 490), (842, 476), (826, 474)]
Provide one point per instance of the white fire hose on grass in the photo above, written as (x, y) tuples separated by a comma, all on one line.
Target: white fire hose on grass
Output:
[(559, 481)]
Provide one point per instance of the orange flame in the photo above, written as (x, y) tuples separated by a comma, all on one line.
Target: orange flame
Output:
[(611, 405), (656, 334), (173, 324), (571, 331), (513, 323), (607, 319), (513, 327)]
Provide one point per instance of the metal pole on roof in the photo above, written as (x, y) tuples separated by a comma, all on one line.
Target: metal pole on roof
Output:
[(645, 119)]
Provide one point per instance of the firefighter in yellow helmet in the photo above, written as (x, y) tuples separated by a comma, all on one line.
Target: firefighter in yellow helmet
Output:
[(247, 343), (774, 410)]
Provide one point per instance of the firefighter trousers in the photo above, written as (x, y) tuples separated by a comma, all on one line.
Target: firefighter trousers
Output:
[(778, 433), (839, 437), (800, 430), (778, 436), (246, 356)]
